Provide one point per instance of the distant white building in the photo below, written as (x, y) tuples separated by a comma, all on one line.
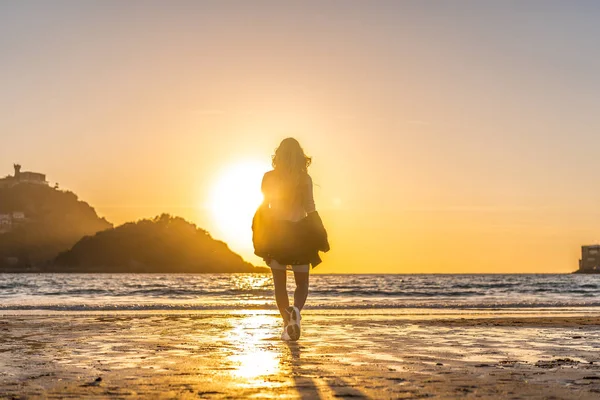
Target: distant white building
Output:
[(8, 221), (5, 223)]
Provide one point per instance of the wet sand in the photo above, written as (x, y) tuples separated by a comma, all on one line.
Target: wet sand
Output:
[(373, 354)]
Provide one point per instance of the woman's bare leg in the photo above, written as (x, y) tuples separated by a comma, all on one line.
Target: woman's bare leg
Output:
[(281, 295), (301, 292)]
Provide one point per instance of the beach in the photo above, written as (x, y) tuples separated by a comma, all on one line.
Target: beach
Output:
[(342, 354)]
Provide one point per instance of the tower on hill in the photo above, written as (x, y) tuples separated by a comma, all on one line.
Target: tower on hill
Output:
[(23, 177)]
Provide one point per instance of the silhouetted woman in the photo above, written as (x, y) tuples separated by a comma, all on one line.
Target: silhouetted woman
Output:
[(287, 230)]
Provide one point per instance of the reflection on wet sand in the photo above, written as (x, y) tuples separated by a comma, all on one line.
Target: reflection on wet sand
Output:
[(221, 354), (260, 359), (253, 358)]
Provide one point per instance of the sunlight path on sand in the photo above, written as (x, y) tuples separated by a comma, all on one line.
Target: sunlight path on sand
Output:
[(219, 354)]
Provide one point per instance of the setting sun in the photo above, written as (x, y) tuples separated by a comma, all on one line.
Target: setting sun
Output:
[(234, 199)]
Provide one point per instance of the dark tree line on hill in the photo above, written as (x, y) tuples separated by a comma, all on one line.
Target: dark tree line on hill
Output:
[(164, 244)]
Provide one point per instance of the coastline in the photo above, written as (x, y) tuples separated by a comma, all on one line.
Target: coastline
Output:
[(343, 353)]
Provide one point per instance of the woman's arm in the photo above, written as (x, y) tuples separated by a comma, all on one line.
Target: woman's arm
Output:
[(264, 187), (309, 201)]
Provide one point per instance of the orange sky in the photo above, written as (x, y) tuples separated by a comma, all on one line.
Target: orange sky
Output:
[(445, 139)]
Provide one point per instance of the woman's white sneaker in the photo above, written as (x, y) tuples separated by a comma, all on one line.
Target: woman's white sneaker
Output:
[(293, 326)]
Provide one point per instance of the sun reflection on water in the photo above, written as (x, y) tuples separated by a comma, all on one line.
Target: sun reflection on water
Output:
[(251, 281)]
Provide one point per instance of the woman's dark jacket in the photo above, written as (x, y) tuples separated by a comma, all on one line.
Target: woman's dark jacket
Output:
[(288, 242)]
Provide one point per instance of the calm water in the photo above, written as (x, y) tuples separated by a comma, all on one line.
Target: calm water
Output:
[(72, 292)]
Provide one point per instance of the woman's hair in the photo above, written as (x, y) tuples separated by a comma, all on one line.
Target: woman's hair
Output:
[(289, 159), (291, 165)]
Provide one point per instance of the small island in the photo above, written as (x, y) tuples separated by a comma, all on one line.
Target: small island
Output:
[(164, 244)]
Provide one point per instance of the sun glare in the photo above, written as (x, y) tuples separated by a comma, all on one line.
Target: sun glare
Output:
[(234, 199), (253, 357)]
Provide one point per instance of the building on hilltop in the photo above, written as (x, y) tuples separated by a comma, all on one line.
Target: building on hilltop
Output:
[(590, 259), (23, 177)]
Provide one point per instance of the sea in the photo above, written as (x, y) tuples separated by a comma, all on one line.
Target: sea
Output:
[(406, 293)]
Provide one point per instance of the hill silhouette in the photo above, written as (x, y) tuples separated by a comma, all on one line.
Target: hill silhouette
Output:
[(164, 244), (40, 223)]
